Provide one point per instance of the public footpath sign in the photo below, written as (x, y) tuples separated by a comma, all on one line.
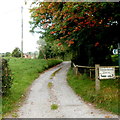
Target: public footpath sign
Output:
[(103, 72), (106, 72), (115, 51)]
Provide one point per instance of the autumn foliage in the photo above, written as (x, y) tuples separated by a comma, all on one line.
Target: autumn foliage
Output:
[(66, 19), (76, 23)]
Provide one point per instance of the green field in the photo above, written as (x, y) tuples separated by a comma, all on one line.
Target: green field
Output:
[(106, 98), (24, 71)]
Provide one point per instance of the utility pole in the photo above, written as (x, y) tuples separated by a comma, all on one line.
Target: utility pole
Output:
[(22, 32), (25, 2)]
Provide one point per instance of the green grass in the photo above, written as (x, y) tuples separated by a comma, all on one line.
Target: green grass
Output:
[(50, 85), (106, 98), (53, 74), (14, 115), (24, 71), (54, 106)]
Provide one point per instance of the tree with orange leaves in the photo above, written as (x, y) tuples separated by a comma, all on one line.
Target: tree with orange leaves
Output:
[(79, 25)]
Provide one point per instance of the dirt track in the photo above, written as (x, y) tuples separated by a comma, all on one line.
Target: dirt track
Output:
[(39, 100)]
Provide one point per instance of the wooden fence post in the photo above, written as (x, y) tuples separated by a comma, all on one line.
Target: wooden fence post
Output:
[(90, 73), (85, 71), (76, 69), (97, 81)]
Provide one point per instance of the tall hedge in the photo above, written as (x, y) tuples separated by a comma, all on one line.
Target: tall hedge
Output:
[(6, 77)]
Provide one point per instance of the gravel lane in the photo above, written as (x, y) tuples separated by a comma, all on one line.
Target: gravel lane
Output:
[(41, 97)]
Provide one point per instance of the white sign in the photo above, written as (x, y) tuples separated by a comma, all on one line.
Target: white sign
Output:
[(115, 51), (106, 72)]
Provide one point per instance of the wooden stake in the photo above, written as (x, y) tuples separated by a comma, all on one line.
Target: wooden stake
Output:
[(76, 70), (90, 73)]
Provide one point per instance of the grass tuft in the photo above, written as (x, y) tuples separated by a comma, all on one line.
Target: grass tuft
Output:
[(15, 115), (50, 85), (53, 74), (54, 106)]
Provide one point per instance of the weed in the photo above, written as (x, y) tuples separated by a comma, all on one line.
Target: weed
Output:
[(14, 115), (50, 85), (54, 106), (53, 74)]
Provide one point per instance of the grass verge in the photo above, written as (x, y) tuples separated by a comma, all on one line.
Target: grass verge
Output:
[(106, 98), (24, 71)]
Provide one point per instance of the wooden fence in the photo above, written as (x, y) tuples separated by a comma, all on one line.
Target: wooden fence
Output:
[(88, 69), (85, 69)]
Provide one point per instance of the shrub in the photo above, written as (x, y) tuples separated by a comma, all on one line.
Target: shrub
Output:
[(16, 52), (6, 77)]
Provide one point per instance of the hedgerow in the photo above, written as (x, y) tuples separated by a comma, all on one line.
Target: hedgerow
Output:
[(6, 77)]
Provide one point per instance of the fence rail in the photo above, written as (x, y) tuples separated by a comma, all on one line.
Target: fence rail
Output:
[(88, 69), (96, 72)]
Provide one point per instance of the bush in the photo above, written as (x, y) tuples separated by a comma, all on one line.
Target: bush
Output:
[(6, 77), (16, 52)]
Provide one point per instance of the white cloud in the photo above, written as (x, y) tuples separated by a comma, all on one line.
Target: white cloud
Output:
[(10, 27)]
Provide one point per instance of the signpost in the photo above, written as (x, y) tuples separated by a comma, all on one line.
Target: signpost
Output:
[(106, 72), (103, 72)]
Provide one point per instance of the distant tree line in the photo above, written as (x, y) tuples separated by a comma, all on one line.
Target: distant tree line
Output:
[(17, 53)]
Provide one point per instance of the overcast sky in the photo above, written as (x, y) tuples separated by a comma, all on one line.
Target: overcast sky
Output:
[(10, 27)]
